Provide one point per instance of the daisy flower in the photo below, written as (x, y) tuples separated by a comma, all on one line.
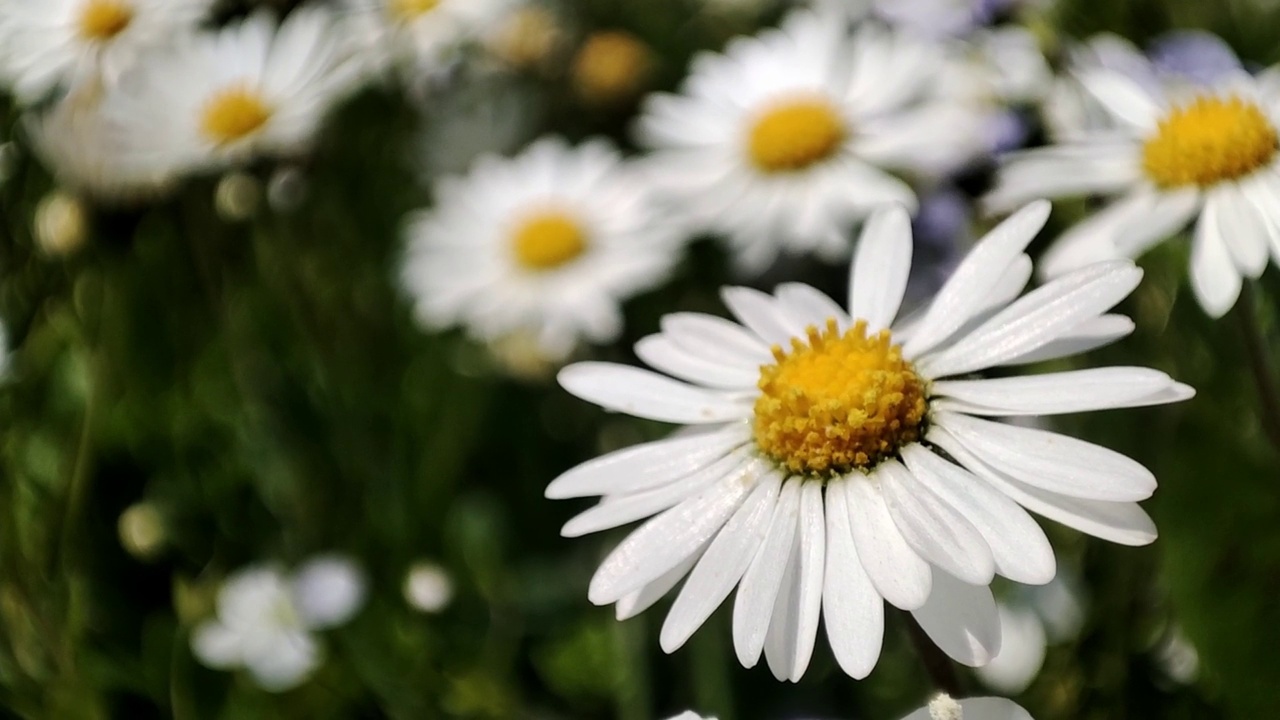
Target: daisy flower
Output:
[(266, 619), (45, 44), (944, 707), (547, 243), (779, 142), (1176, 156), (251, 88), (838, 458), (420, 34)]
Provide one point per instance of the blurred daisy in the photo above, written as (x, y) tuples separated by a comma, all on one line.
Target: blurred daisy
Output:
[(266, 619), (422, 35), (222, 97), (549, 243), (944, 707), (936, 19), (835, 464), (778, 142), (1175, 156), (1029, 621), (45, 44)]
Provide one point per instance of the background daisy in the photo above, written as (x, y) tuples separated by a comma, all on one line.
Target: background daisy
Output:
[(548, 243)]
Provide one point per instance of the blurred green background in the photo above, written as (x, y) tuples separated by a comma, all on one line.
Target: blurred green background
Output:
[(257, 386)]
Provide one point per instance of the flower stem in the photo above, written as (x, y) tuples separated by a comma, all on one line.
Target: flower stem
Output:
[(941, 672), (1260, 363)]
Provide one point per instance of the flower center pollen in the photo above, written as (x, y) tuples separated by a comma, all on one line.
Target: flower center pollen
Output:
[(411, 9), (1208, 141), (547, 240), (838, 401), (794, 135), (233, 114), (102, 20)]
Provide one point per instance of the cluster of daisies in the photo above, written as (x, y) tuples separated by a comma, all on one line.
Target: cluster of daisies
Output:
[(833, 457)]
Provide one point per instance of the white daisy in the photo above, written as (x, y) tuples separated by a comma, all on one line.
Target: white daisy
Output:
[(45, 44), (841, 458), (420, 35), (1174, 156), (251, 88), (547, 243), (943, 707), (778, 142), (266, 619)]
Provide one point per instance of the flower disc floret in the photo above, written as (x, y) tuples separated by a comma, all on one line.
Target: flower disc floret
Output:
[(794, 135), (548, 240), (1208, 141), (411, 9), (102, 20), (839, 401), (233, 114)]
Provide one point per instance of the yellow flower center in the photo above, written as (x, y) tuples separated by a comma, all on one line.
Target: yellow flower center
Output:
[(104, 19), (547, 240), (838, 402), (234, 113), (411, 9), (1209, 141), (794, 135), (610, 67)]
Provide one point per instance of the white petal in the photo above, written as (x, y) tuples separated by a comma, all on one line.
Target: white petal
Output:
[(1022, 647), (882, 262), (762, 315), (722, 565), (648, 395), (966, 292), (647, 465), (216, 645), (1169, 213), (1038, 318), (1088, 335), (292, 658), (808, 306), (1055, 393), (670, 538), (987, 708), (1214, 277), (662, 353), (758, 591), (793, 628), (1010, 285), (1019, 547), (1051, 461), (1125, 99), (898, 574), (617, 510), (852, 610), (1095, 167), (961, 619), (716, 338), (1120, 522), (634, 603), (1094, 238), (938, 533), (1243, 228), (328, 590)]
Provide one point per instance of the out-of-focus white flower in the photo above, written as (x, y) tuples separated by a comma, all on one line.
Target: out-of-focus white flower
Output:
[(779, 142), (61, 224), (266, 619), (1173, 156), (249, 89), (934, 19), (817, 484), (943, 707), (526, 38), (45, 44), (690, 715), (141, 529), (549, 242), (1178, 657), (1029, 620), (428, 587), (421, 36)]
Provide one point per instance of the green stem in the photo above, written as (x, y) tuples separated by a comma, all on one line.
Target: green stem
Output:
[(1260, 364), (633, 695)]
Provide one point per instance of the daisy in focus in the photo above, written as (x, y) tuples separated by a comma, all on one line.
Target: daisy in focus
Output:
[(838, 459), (546, 244), (266, 619), (779, 142), (47, 44), (249, 89), (1173, 155)]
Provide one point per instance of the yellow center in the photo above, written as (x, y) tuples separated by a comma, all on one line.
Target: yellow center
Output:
[(611, 66), (794, 135), (411, 9), (104, 19), (548, 240), (1209, 141), (233, 114), (838, 402)]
